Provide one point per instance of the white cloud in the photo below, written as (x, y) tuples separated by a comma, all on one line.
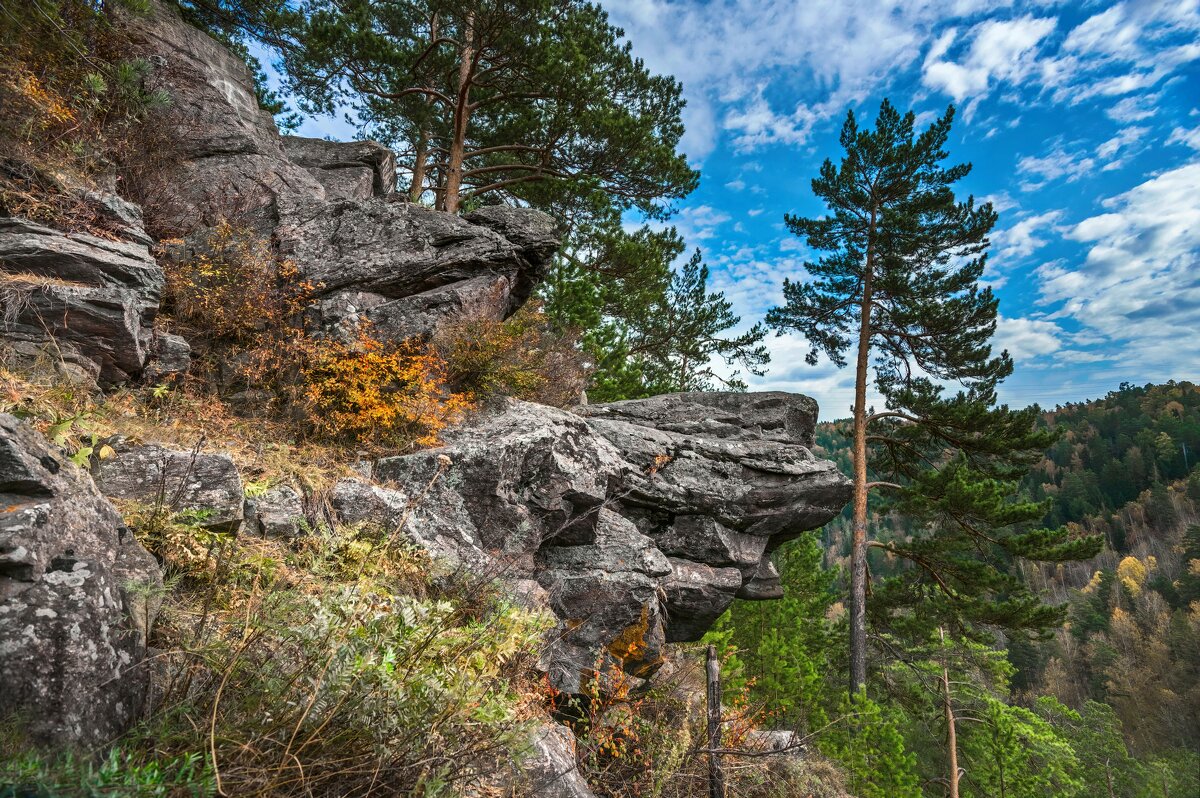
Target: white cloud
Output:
[(1134, 109), (755, 124), (1022, 239), (1123, 140), (698, 222), (1139, 287), (725, 52), (1027, 339), (1190, 138), (1145, 42), (1070, 166), (735, 185), (1000, 50)]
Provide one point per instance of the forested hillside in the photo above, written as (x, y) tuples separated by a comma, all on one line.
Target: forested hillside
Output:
[(1107, 704)]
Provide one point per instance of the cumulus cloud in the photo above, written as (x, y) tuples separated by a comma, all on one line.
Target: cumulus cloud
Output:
[(1139, 287), (699, 222), (1023, 239), (1027, 339), (1000, 50)]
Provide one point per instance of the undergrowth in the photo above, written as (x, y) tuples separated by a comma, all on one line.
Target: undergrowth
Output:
[(73, 104), (347, 663)]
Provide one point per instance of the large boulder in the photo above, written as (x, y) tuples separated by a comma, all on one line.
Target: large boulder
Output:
[(405, 268), (205, 486), (217, 153), (77, 597), (97, 297), (640, 520)]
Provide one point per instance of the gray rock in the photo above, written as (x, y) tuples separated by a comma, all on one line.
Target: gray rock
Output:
[(37, 354), (437, 522), (77, 597), (119, 215), (547, 768), (206, 485), (765, 584), (347, 169), (696, 595), (705, 540), (220, 154), (277, 513), (591, 506), (748, 481), (170, 357), (528, 475), (618, 547), (405, 268), (767, 415), (97, 295)]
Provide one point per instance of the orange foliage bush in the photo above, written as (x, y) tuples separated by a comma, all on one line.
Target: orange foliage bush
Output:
[(371, 391)]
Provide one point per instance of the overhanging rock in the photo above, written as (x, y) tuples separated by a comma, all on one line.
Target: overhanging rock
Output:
[(641, 520)]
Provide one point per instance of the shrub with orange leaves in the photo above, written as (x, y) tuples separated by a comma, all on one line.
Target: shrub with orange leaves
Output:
[(371, 391)]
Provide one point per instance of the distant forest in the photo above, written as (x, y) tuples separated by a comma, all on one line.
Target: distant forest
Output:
[(1107, 704)]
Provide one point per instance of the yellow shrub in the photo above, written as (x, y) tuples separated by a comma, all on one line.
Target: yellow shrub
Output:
[(371, 391)]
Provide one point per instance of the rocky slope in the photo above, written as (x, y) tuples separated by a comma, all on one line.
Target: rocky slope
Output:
[(636, 523)]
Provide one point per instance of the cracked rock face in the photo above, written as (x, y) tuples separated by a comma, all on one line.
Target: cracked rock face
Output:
[(330, 206), (77, 597), (404, 268), (95, 296), (640, 520)]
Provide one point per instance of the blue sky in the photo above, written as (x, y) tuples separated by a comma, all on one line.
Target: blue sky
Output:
[(1082, 121)]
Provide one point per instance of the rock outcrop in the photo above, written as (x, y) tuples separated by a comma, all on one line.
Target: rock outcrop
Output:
[(97, 298), (220, 155), (330, 206), (77, 596), (641, 520), (405, 268)]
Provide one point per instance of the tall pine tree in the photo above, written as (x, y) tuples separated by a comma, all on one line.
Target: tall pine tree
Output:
[(898, 287)]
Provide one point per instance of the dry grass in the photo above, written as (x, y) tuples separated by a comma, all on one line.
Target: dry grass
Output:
[(263, 449)]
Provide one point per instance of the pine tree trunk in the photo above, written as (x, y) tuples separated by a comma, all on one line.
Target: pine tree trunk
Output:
[(462, 117), (951, 730), (858, 546), (418, 179)]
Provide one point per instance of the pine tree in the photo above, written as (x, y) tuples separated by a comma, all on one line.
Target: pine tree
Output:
[(899, 284), (536, 101), (650, 329)]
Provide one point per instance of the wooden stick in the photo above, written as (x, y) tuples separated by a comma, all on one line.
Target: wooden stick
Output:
[(716, 775)]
